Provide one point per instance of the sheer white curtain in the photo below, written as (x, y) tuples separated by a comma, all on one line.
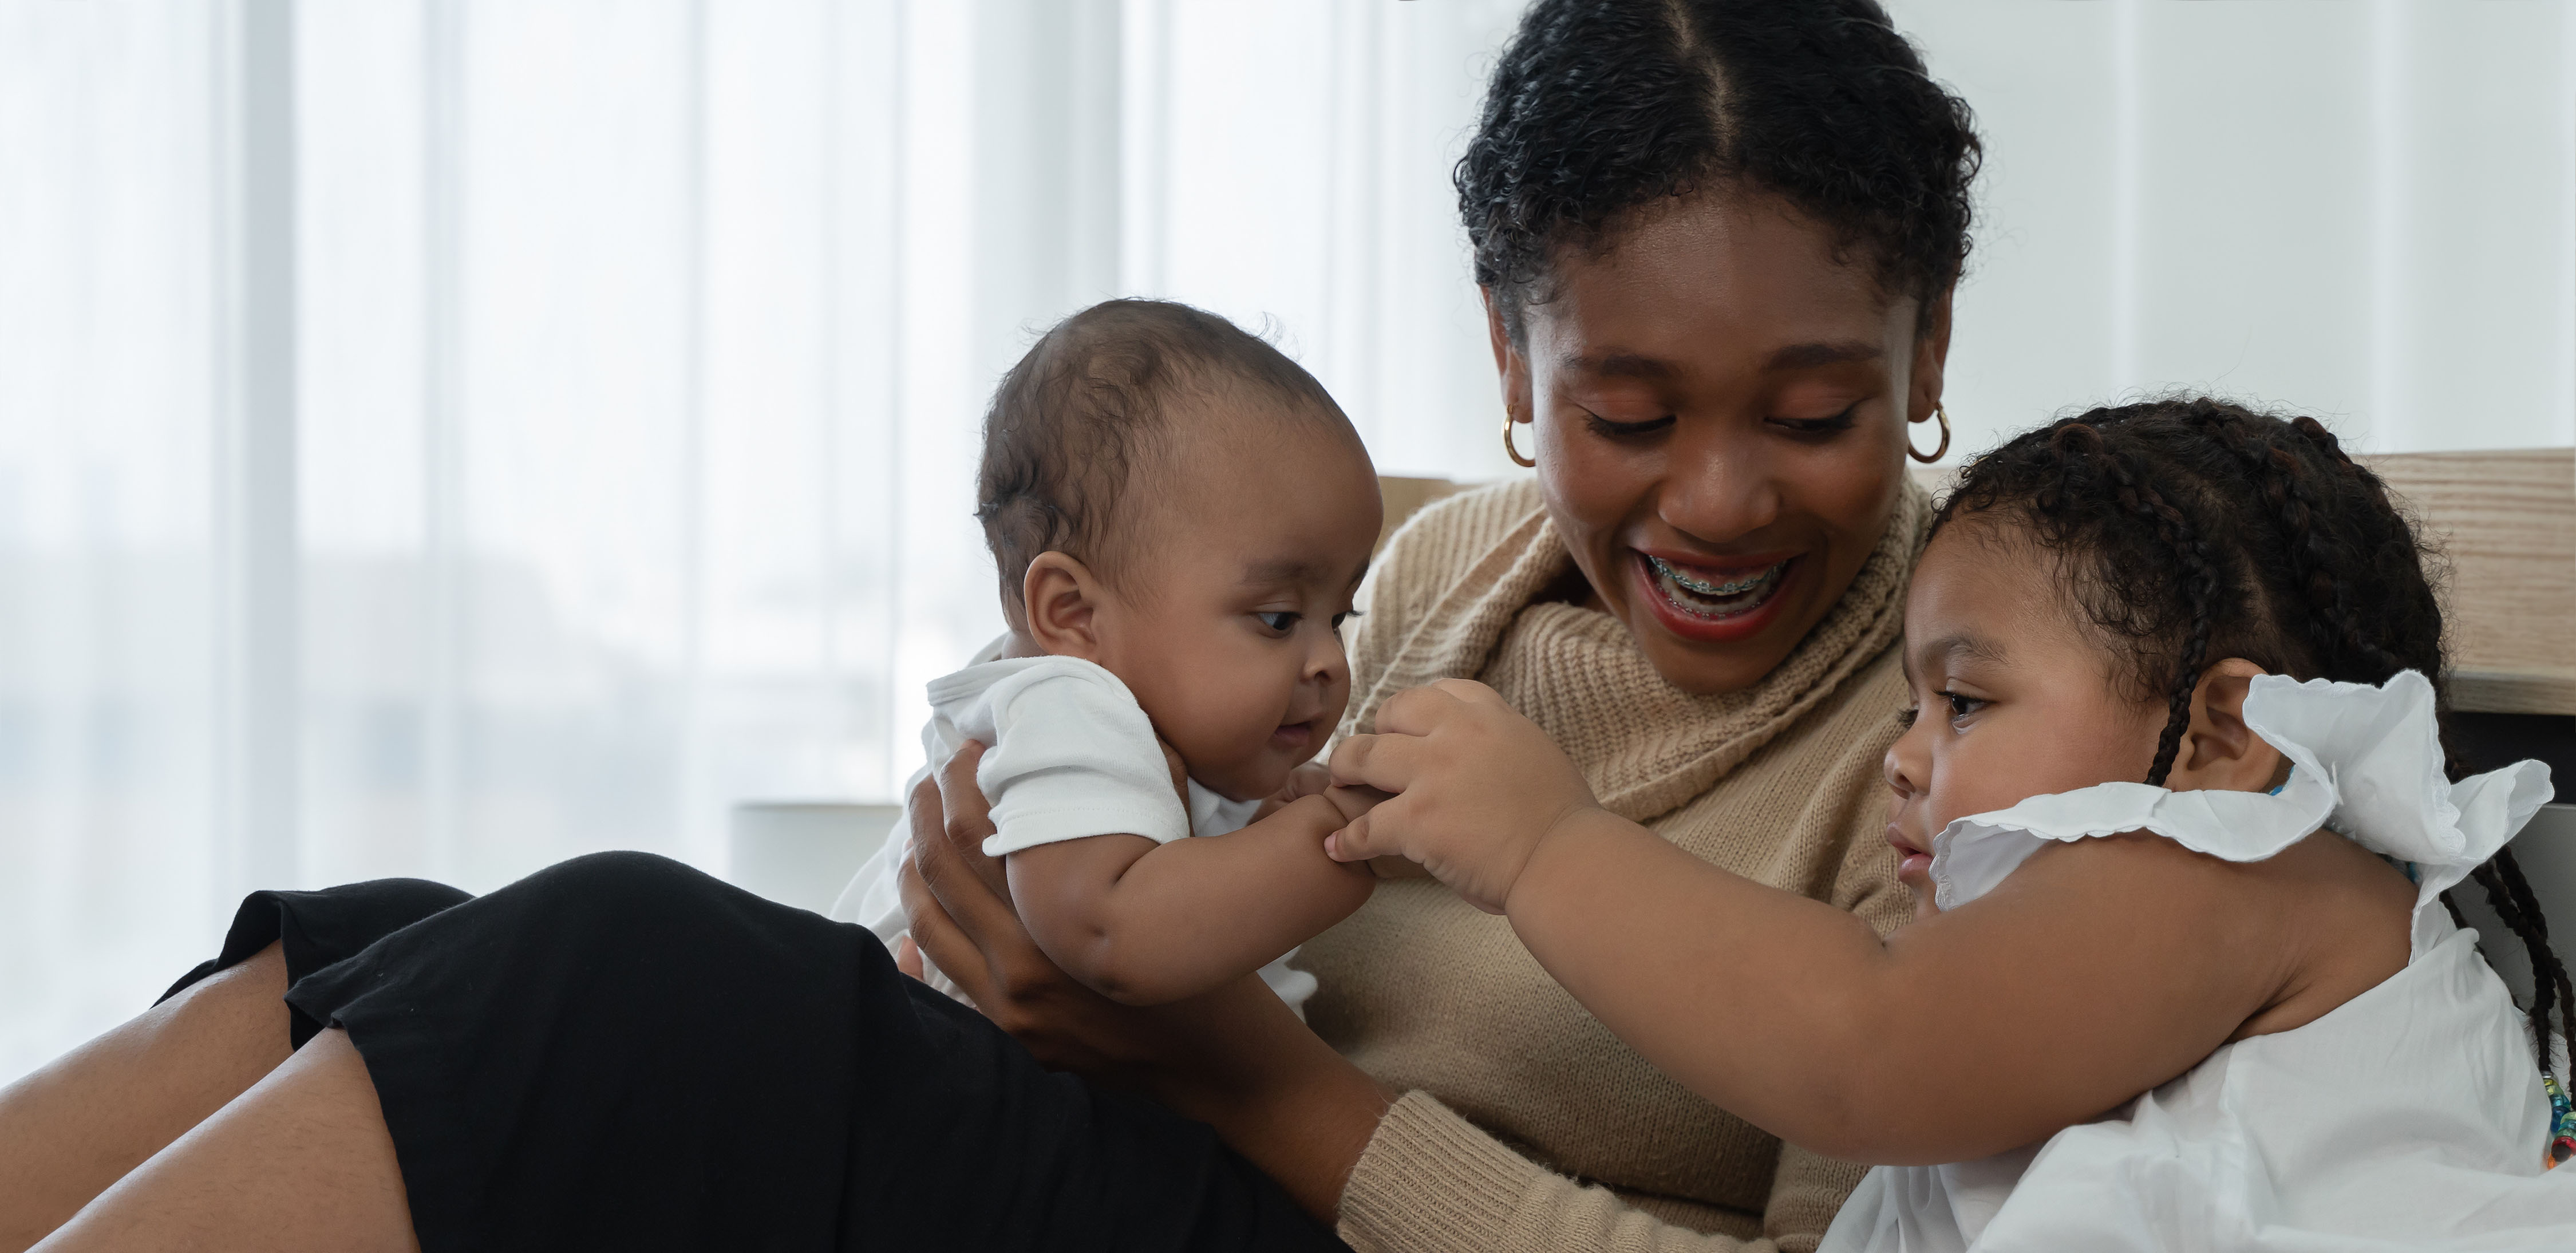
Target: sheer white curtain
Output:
[(438, 437)]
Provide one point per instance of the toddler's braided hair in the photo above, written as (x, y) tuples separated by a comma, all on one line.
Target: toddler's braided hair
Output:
[(2196, 530)]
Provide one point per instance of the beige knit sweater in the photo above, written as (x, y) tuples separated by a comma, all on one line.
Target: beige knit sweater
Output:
[(1525, 1124)]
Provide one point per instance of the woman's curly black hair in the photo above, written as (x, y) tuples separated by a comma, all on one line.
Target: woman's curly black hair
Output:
[(2195, 530), (1601, 107)]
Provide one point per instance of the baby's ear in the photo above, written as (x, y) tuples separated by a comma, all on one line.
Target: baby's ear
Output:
[(1063, 600), (2219, 752)]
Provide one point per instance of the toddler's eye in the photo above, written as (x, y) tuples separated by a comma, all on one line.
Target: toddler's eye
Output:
[(1342, 617), (1962, 706), (1279, 621), (1905, 717)]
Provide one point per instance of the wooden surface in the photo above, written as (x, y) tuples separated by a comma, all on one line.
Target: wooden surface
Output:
[(1402, 496), (2505, 523)]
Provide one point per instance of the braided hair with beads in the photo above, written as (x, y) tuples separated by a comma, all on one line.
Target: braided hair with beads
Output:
[(2195, 530)]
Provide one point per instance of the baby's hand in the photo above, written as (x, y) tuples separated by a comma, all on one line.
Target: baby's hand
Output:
[(1476, 788), (1307, 780)]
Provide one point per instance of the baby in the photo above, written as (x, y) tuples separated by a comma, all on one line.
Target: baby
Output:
[(1180, 515), (2175, 805)]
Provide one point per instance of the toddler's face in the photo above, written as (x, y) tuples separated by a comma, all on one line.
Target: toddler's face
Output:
[(1228, 632), (2011, 697)]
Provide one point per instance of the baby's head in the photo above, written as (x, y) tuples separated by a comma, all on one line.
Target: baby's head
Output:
[(1174, 499), (2098, 594)]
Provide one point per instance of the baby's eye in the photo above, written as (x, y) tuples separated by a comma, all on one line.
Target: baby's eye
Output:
[(1342, 617), (1279, 621), (1905, 717), (1962, 706)]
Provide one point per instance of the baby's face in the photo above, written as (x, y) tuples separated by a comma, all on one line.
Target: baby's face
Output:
[(1228, 628), (2011, 698)]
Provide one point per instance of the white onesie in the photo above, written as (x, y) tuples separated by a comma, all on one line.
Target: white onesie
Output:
[(2410, 1117), (1071, 755)]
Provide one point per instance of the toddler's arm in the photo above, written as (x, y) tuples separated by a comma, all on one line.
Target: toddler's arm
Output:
[(1146, 923), (2097, 971)]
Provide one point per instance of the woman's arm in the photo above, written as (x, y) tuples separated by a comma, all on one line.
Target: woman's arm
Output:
[(1147, 923), (2097, 971), (1235, 1058)]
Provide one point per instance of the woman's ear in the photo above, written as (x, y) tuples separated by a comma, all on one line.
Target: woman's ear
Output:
[(1063, 599), (1931, 358), (1510, 364), (2219, 753)]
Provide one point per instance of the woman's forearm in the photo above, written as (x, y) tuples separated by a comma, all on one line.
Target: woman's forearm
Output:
[(1278, 1095)]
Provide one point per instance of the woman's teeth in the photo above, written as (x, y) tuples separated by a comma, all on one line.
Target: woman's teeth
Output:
[(1721, 599)]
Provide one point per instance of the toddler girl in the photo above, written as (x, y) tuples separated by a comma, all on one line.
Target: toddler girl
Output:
[(2224, 1008), (1180, 515)]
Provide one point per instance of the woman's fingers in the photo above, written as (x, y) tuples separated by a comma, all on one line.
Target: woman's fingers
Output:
[(969, 816), (937, 936)]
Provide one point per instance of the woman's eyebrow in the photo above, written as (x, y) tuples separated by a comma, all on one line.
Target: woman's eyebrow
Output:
[(1809, 356), (1616, 365)]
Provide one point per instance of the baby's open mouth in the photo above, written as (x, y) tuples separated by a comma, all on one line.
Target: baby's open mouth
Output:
[(1293, 734), (1704, 594)]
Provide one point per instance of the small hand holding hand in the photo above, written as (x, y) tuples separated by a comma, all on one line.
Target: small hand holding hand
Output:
[(1476, 789)]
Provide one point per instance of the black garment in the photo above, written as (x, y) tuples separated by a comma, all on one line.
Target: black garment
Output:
[(620, 1052)]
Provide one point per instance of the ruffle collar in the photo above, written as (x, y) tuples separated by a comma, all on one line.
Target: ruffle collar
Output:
[(2366, 762)]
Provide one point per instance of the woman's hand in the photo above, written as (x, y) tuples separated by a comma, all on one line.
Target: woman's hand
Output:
[(1477, 788), (1235, 1058)]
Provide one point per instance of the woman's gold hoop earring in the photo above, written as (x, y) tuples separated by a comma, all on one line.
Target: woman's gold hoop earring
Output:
[(1938, 415), (1509, 421)]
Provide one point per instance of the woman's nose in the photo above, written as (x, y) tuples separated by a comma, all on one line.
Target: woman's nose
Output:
[(1720, 488)]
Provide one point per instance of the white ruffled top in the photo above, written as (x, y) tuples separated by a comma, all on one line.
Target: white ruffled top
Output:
[(2411, 1117)]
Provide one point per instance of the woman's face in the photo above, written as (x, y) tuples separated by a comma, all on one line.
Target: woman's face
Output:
[(1720, 407)]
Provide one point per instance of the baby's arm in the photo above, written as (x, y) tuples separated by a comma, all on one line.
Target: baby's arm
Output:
[(1146, 923), (2097, 971)]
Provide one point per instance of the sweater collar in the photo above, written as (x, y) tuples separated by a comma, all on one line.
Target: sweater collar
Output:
[(1645, 746)]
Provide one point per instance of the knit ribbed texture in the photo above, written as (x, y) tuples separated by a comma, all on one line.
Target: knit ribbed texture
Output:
[(1514, 1091)]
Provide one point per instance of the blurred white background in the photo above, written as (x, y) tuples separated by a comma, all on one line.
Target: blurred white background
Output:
[(439, 437)]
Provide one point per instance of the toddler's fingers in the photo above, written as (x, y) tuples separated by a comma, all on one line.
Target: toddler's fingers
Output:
[(1352, 842), (1354, 801), (1384, 762), (1416, 710), (1471, 692)]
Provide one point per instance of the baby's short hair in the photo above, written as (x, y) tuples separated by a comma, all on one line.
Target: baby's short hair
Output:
[(1089, 404)]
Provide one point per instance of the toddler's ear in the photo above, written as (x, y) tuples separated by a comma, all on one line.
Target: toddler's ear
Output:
[(1063, 599), (2219, 752)]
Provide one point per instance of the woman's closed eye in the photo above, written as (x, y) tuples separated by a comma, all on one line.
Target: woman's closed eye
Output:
[(1834, 425), (1608, 429)]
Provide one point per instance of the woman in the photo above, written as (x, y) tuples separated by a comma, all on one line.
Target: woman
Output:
[(1713, 325), (1717, 242)]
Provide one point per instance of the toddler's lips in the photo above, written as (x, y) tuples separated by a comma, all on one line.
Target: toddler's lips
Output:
[(1915, 866), (1293, 735)]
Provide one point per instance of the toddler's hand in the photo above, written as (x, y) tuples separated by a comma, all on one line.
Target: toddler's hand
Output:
[(1476, 787)]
